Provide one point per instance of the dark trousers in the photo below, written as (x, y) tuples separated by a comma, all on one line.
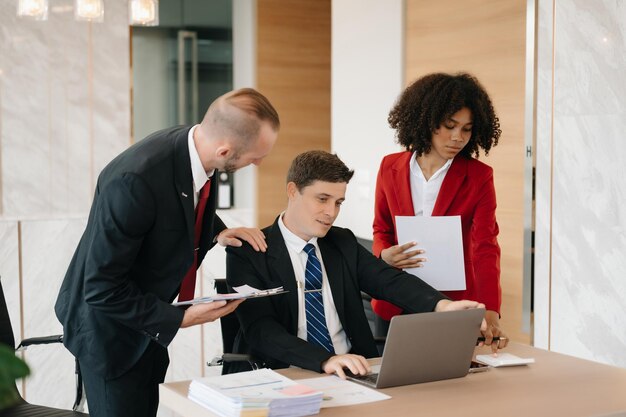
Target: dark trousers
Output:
[(134, 394)]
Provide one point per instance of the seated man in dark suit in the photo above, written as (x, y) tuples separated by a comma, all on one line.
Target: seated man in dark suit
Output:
[(320, 323)]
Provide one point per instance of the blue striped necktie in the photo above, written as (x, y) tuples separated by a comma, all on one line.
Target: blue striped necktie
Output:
[(316, 328)]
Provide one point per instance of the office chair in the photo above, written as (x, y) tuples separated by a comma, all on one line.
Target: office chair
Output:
[(23, 408), (232, 362), (378, 326)]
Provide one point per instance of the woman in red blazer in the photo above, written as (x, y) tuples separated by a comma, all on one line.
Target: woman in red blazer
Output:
[(443, 121)]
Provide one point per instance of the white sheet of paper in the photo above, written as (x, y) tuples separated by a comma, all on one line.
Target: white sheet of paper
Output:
[(245, 289), (442, 239), (338, 392)]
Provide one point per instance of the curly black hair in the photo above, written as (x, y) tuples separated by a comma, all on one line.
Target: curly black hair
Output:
[(431, 100)]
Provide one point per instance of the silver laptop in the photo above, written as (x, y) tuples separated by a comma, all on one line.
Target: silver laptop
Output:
[(426, 347)]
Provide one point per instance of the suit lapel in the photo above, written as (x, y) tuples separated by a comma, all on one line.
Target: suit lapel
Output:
[(451, 185), (279, 265), (400, 174), (333, 265), (184, 179)]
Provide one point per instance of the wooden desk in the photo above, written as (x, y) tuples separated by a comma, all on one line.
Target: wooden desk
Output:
[(555, 385)]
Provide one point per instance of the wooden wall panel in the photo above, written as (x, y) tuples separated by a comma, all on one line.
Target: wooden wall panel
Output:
[(486, 38), (293, 64)]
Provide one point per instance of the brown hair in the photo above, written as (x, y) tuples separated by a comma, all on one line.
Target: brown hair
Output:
[(431, 100), (312, 166), (251, 101), (237, 115)]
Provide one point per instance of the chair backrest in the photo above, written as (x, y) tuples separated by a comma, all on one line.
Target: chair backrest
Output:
[(378, 326), (22, 408), (6, 330), (230, 323), (232, 339)]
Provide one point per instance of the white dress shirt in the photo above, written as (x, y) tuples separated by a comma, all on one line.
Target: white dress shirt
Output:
[(295, 247), (424, 192), (200, 176)]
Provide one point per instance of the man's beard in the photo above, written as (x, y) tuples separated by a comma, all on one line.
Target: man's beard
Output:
[(230, 165)]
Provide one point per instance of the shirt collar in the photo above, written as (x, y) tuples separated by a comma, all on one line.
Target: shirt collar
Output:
[(200, 176), (417, 171), (291, 239)]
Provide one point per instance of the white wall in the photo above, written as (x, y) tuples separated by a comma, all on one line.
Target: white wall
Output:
[(543, 181), (366, 77), (244, 75), (581, 192), (581, 159), (64, 114), (152, 108)]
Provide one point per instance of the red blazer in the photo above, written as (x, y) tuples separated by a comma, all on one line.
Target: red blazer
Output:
[(468, 191)]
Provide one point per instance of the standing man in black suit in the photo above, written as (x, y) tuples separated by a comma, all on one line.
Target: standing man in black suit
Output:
[(143, 244), (320, 323)]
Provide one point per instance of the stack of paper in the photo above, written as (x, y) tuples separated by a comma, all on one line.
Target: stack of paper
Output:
[(255, 393)]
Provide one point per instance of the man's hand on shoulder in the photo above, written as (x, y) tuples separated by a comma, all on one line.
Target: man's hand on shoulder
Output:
[(207, 312), (234, 236), (357, 364)]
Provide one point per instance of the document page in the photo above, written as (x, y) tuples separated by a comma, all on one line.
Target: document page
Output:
[(442, 240), (338, 392)]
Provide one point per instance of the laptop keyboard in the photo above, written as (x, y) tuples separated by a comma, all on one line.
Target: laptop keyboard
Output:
[(370, 378)]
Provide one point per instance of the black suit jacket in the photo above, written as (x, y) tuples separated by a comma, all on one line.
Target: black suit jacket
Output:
[(133, 255), (270, 325)]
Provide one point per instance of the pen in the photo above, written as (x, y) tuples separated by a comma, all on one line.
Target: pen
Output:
[(300, 285), (495, 339)]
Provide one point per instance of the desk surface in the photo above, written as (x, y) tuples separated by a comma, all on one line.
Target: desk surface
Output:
[(555, 385)]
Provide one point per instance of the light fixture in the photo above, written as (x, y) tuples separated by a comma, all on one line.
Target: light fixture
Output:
[(90, 10), (143, 12), (33, 9)]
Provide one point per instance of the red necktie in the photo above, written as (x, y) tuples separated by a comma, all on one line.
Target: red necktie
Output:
[(188, 287)]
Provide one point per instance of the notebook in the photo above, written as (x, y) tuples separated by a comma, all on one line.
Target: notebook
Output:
[(426, 347)]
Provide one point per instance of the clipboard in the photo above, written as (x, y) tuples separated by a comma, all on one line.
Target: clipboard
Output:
[(244, 294)]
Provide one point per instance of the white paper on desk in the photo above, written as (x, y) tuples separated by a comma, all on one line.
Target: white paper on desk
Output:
[(339, 392), (442, 239), (255, 393)]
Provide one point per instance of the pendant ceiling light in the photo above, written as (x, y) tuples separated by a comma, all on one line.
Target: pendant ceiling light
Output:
[(33, 9), (143, 12), (90, 10)]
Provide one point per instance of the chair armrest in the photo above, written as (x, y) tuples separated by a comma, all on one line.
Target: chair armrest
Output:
[(40, 341), (234, 358), (230, 357)]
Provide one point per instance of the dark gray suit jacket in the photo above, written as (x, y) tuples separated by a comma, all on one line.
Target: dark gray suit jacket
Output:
[(134, 254), (270, 325)]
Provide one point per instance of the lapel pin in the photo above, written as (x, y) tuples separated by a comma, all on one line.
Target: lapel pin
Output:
[(184, 195)]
